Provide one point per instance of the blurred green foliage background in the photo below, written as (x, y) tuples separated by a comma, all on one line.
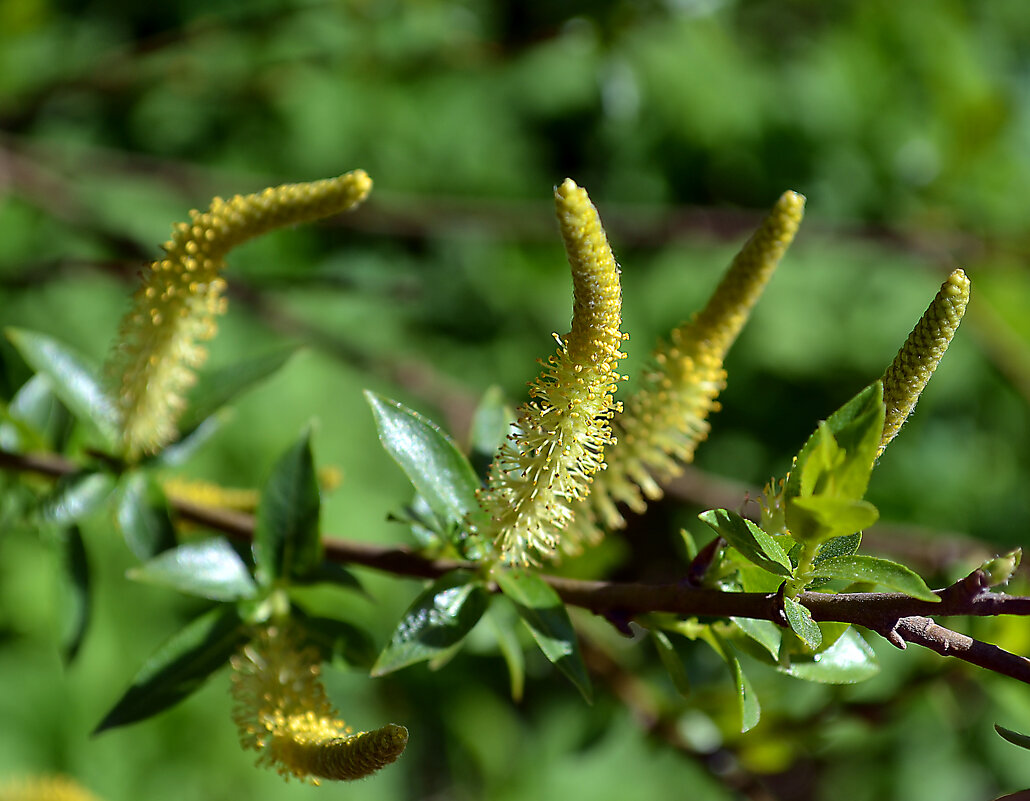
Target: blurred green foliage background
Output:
[(906, 125)]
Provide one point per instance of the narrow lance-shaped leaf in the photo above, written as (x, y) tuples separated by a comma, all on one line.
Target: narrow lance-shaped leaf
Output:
[(79, 596), (179, 667), (438, 470), (548, 621), (286, 537), (873, 570), (72, 377), (750, 540), (208, 569), (747, 700), (671, 662), (800, 620), (1014, 737), (437, 619), (144, 516)]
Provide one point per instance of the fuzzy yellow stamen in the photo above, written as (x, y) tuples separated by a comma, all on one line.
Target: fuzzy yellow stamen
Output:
[(283, 712), (667, 417), (175, 308), (563, 431), (911, 369)]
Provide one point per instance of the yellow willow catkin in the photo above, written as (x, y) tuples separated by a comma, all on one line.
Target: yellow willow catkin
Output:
[(175, 308), (911, 369), (44, 788), (563, 431), (282, 711), (666, 418)]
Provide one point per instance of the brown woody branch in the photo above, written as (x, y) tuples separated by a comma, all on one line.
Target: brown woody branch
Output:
[(897, 617)]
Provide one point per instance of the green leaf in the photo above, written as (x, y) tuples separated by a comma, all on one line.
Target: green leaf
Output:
[(207, 569), (747, 700), (144, 517), (502, 618), (1014, 737), (76, 496), (764, 632), (215, 389), (286, 540), (79, 600), (845, 545), (339, 639), (872, 570), (437, 619), (800, 620), (182, 450), (72, 377), (848, 661), (750, 540), (330, 573), (34, 420), (819, 518), (439, 472), (1001, 568), (179, 667), (491, 424), (548, 621), (671, 661)]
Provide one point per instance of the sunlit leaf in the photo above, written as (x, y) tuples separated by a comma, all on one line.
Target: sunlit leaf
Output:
[(800, 620), (872, 570), (207, 569), (750, 540), (848, 661)]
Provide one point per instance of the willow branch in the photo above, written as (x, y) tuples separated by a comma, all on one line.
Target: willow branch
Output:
[(899, 618)]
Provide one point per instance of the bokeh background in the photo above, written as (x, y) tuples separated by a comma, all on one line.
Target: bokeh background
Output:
[(907, 126)]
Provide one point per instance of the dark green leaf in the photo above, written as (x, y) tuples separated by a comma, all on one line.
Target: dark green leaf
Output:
[(800, 620), (331, 573), (339, 639), (548, 621), (179, 667), (79, 601), (750, 540), (491, 425), (215, 389), (72, 377), (502, 619), (848, 661), (872, 570), (671, 661), (1014, 737), (76, 496), (286, 539), (437, 619), (144, 517), (439, 472), (207, 569), (764, 632)]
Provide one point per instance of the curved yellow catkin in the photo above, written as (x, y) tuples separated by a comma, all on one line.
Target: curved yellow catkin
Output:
[(175, 308), (283, 712), (666, 418), (563, 430), (207, 493), (44, 788), (911, 369)]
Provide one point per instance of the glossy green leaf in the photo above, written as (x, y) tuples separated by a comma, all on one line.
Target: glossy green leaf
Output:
[(1014, 737), (548, 621), (73, 378), (144, 516), (439, 471), (764, 632), (208, 569), (79, 596), (750, 540), (437, 619), (671, 661), (35, 419), (872, 570), (215, 389), (800, 620), (848, 661), (491, 425), (179, 667), (820, 518), (286, 536), (76, 496)]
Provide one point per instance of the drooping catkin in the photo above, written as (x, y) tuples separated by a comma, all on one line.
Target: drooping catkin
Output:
[(563, 430), (908, 374), (282, 711), (666, 418), (157, 347)]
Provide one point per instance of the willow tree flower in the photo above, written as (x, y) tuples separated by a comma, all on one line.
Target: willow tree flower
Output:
[(283, 712), (917, 359), (175, 308), (562, 432), (667, 417), (45, 788)]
